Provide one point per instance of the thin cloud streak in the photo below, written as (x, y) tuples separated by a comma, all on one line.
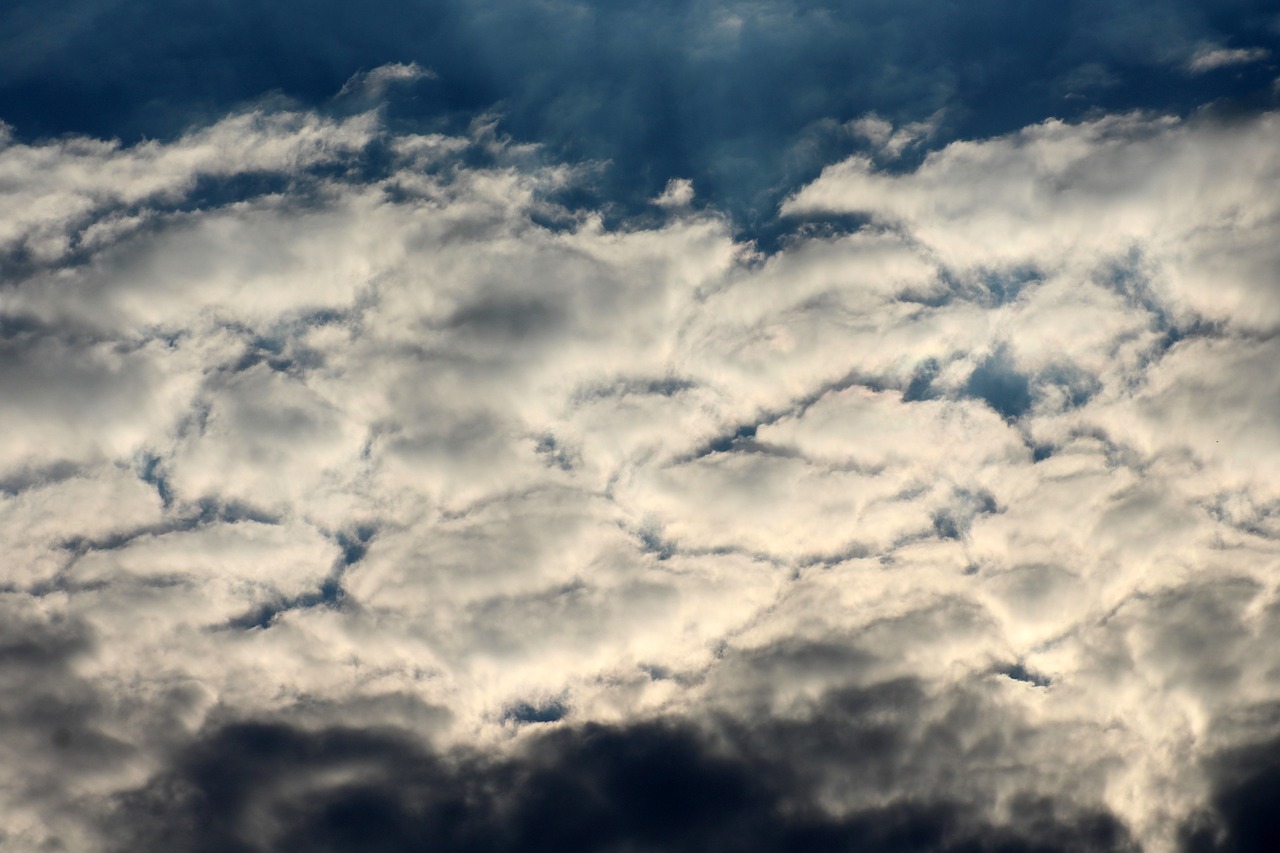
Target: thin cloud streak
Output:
[(1214, 58)]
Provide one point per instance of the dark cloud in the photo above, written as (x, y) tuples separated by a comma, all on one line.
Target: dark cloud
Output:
[(669, 786), (1243, 816)]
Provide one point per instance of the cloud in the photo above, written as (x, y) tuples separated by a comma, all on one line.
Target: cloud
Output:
[(1211, 59), (382, 495), (1145, 193), (80, 192), (678, 193), (890, 141), (1238, 817), (670, 786)]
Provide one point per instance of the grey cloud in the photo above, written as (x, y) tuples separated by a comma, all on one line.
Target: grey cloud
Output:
[(672, 785), (63, 729)]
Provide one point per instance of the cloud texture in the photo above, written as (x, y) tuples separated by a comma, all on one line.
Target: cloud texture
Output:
[(358, 492)]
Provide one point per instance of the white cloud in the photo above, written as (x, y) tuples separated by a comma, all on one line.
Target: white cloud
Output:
[(1130, 197), (678, 193), (374, 83), (890, 141), (455, 460), (59, 189), (1212, 58)]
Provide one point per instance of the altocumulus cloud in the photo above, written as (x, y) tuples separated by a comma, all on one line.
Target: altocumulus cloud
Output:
[(358, 495)]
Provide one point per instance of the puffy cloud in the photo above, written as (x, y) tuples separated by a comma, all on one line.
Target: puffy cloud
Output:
[(362, 492), (678, 193), (81, 192), (1149, 203)]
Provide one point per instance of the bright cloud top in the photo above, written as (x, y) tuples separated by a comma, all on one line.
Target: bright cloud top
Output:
[(292, 435)]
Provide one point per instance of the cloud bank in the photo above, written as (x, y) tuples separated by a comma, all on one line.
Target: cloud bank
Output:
[(357, 493)]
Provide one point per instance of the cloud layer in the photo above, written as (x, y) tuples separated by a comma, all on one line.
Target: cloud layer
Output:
[(356, 491)]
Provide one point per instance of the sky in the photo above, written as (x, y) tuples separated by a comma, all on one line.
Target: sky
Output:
[(687, 426)]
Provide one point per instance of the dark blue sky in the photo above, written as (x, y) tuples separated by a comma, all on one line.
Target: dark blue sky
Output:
[(745, 99)]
